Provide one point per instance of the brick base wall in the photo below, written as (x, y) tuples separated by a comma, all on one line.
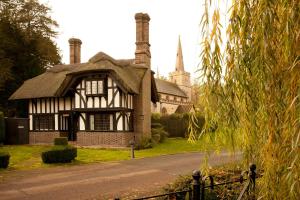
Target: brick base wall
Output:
[(42, 137), (104, 139)]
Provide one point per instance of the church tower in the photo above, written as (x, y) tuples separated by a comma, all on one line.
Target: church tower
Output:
[(179, 76)]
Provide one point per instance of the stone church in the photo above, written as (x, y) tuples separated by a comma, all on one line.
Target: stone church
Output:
[(176, 93)]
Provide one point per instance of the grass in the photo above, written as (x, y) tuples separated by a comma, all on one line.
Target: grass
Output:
[(29, 156)]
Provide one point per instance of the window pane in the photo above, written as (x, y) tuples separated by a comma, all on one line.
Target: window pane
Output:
[(88, 87), (94, 87), (100, 87)]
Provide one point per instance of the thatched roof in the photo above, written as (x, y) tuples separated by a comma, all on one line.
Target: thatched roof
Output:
[(167, 87), (54, 81)]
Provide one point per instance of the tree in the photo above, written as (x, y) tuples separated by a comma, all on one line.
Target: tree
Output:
[(26, 48), (254, 86)]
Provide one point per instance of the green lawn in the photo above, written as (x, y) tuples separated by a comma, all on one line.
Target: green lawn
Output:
[(28, 156)]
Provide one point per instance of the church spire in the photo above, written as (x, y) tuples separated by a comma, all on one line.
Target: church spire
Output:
[(179, 58)]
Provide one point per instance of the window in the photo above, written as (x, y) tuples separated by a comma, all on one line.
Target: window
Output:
[(94, 87), (100, 122), (43, 122)]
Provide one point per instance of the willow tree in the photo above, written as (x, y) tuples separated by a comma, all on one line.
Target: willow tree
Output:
[(252, 86)]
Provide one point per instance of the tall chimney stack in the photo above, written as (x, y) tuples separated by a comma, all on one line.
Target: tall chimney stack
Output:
[(142, 52), (75, 50), (142, 101)]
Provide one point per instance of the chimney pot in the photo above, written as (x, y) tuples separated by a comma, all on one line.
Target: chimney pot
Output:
[(75, 50), (142, 52)]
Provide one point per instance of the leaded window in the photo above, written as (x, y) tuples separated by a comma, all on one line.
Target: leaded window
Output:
[(94, 87), (43, 122), (100, 122)]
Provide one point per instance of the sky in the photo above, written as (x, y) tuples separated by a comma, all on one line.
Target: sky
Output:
[(109, 26)]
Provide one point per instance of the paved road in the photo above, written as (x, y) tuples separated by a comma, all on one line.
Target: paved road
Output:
[(103, 180)]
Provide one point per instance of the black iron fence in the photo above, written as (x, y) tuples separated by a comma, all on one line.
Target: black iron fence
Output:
[(202, 185)]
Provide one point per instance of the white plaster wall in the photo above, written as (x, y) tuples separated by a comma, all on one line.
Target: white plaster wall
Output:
[(103, 102), (120, 122), (77, 100), (30, 123), (56, 121), (83, 99), (117, 99), (81, 122), (89, 102), (109, 96), (109, 82)]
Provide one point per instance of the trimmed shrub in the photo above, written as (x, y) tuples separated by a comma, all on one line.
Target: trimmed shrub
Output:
[(59, 154), (145, 143), (2, 128), (4, 159), (61, 141)]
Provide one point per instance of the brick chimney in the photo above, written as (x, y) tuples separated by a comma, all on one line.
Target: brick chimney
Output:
[(142, 52), (142, 101), (75, 50)]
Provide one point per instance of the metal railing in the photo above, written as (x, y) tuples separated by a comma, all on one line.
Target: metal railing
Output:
[(199, 187)]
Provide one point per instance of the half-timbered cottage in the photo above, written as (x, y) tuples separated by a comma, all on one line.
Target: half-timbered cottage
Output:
[(103, 102)]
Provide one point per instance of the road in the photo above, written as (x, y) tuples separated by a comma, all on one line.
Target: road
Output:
[(104, 180)]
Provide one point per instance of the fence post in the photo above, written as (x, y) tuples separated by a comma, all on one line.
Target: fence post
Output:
[(252, 177), (196, 185), (202, 193), (132, 143)]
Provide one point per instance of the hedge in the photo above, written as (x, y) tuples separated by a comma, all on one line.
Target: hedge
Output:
[(4, 159), (59, 154), (61, 141), (176, 124), (2, 128)]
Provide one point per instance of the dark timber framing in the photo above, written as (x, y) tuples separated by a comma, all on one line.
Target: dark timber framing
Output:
[(113, 100)]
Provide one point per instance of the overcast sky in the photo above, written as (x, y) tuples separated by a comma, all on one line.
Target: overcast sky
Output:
[(109, 26)]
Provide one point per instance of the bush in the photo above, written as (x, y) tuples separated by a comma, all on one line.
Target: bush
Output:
[(145, 143), (59, 154), (181, 183), (2, 128), (155, 117), (4, 159), (158, 134), (61, 141)]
